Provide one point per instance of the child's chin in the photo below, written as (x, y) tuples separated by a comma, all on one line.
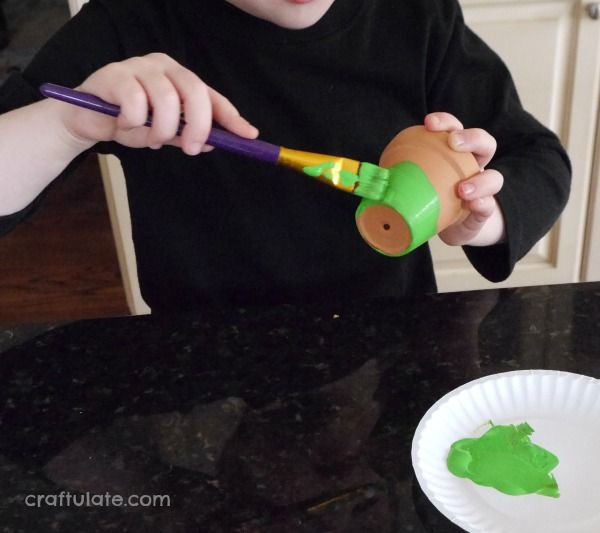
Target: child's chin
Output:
[(298, 23), (303, 14)]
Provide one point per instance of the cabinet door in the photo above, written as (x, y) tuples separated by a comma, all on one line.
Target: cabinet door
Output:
[(590, 270), (552, 51)]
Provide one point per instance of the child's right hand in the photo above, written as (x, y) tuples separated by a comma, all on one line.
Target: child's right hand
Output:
[(156, 83)]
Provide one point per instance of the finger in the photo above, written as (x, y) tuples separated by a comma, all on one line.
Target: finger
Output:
[(464, 232), (115, 84), (475, 140), (441, 121), (226, 114), (134, 106), (197, 109), (164, 101), (486, 183), (480, 210)]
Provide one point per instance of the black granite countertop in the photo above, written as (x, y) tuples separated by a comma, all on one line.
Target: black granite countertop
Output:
[(278, 419)]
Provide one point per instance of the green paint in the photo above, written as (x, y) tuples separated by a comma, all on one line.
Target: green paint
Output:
[(505, 458), (373, 181), (411, 194), (329, 171), (318, 171), (347, 178)]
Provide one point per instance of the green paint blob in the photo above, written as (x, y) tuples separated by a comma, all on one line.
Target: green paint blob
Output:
[(318, 171), (505, 458), (347, 178), (328, 170)]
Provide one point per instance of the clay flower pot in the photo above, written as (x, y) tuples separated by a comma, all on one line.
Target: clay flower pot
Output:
[(421, 199)]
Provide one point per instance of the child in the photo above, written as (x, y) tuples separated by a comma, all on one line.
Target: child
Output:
[(339, 77)]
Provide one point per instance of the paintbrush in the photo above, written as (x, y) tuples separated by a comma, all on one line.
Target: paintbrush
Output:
[(362, 179)]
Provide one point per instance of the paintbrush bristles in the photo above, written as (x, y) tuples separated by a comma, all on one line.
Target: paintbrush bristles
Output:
[(373, 181)]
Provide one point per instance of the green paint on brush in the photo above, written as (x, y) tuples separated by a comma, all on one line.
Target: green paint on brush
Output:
[(326, 170), (318, 171), (505, 458), (371, 181)]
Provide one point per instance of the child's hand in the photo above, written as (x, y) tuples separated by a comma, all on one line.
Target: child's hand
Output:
[(156, 83), (485, 223)]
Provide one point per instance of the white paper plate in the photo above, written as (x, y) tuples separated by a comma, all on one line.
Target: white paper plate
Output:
[(564, 411)]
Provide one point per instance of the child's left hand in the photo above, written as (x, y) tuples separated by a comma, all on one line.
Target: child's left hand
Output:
[(484, 225)]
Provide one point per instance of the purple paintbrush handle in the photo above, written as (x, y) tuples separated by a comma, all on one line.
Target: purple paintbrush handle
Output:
[(218, 138), (235, 144)]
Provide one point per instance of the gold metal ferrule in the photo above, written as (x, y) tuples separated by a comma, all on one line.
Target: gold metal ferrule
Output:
[(340, 172)]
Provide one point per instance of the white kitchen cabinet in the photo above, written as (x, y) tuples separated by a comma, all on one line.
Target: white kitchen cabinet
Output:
[(553, 50), (591, 259)]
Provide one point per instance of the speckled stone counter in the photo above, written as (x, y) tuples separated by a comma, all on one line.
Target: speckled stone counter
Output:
[(280, 419)]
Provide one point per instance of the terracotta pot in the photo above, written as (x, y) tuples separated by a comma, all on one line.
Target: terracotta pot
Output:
[(421, 199)]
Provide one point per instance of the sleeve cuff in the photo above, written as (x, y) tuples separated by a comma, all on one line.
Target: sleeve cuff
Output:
[(10, 222), (497, 262)]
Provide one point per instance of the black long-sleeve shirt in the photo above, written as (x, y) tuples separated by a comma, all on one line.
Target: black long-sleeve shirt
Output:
[(219, 227)]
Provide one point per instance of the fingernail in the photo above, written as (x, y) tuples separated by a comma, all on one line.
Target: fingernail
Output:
[(467, 189), (155, 146)]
